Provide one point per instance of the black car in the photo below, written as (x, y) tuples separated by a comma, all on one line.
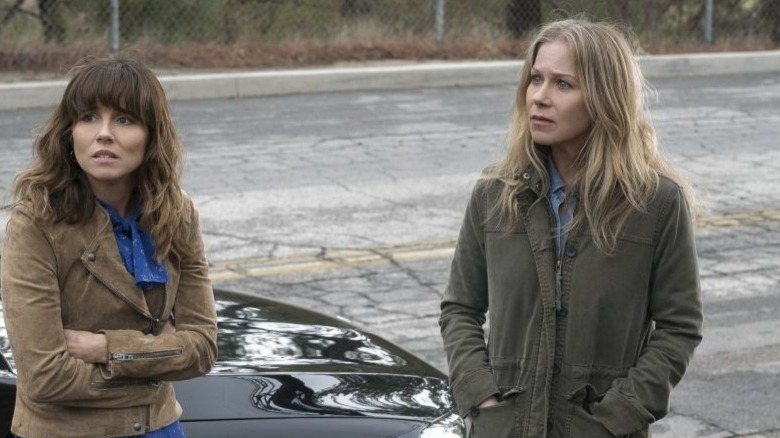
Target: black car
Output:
[(285, 371)]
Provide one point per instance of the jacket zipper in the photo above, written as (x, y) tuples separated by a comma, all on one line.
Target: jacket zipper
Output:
[(124, 384), (155, 325), (558, 261), (124, 357), (558, 293)]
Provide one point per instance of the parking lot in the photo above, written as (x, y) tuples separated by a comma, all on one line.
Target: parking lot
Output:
[(349, 203)]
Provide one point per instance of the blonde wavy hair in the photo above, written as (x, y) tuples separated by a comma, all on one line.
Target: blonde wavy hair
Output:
[(617, 171), (55, 187)]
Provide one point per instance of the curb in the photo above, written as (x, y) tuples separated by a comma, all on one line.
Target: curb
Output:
[(425, 75)]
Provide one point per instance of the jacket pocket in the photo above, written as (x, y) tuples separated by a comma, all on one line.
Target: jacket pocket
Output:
[(494, 422), (582, 424)]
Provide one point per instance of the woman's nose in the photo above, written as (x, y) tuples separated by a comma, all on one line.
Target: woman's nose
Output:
[(540, 95), (104, 133)]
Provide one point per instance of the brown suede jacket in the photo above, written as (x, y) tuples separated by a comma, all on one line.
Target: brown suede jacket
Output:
[(61, 276)]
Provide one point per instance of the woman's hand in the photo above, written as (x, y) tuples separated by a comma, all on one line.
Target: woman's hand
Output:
[(488, 402), (87, 346), (93, 347)]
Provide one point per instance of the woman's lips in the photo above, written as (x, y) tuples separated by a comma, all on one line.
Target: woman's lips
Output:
[(104, 156), (540, 121)]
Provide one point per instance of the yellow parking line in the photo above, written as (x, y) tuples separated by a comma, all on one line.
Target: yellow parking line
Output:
[(435, 250), (739, 219), (332, 259)]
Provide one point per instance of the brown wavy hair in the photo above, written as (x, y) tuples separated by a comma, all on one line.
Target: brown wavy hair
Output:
[(56, 188), (617, 171)]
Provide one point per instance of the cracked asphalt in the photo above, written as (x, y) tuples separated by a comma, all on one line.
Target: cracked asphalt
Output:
[(349, 203)]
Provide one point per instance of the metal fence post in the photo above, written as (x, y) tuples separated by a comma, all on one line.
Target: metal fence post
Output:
[(114, 31), (708, 21), (439, 20)]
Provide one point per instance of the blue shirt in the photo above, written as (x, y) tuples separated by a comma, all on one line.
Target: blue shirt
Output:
[(557, 196)]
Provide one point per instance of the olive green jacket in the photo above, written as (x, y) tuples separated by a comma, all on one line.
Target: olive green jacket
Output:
[(586, 346), (61, 276)]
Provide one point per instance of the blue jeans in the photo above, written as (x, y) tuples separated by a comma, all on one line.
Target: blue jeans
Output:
[(172, 430)]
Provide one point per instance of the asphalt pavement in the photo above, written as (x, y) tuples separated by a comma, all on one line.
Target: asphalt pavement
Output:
[(349, 203)]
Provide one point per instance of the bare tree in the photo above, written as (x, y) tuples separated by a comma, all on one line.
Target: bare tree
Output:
[(52, 28), (770, 10), (523, 16)]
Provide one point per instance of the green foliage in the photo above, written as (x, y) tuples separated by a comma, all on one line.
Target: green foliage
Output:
[(22, 31), (298, 19), (82, 19), (227, 21)]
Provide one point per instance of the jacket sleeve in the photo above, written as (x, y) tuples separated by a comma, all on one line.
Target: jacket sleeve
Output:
[(463, 311), (192, 350), (46, 372), (675, 308)]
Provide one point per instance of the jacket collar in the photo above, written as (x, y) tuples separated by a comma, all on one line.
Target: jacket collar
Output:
[(532, 180)]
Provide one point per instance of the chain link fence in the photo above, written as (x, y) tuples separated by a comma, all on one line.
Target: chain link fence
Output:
[(202, 32)]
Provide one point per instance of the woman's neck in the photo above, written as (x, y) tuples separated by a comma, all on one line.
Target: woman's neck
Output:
[(565, 164), (121, 202)]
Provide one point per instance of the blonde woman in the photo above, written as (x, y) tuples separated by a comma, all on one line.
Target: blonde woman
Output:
[(106, 294), (579, 246)]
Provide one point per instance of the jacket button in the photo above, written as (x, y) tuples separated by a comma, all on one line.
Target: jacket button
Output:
[(137, 426), (556, 368), (526, 175), (571, 249), (474, 411), (91, 257), (562, 312)]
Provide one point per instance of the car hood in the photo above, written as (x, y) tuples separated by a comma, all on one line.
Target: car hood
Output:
[(262, 335), (285, 361), (226, 397)]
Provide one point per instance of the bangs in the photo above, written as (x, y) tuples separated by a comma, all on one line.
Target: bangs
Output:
[(113, 84)]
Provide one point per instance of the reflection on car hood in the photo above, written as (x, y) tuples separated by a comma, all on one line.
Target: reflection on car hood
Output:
[(311, 395), (285, 361), (259, 334)]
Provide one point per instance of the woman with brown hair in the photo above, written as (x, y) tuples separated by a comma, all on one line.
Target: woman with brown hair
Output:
[(578, 245), (105, 286)]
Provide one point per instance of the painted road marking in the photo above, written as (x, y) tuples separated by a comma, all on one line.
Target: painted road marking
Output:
[(435, 250)]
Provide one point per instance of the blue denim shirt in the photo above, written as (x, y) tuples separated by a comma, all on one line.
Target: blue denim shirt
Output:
[(557, 195)]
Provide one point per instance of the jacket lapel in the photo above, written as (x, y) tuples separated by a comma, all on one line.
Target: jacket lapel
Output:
[(102, 260)]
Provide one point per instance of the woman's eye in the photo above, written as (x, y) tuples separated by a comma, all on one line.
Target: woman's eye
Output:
[(88, 117), (536, 79), (123, 120), (564, 84)]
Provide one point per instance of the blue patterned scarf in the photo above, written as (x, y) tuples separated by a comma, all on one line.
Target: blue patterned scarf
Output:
[(137, 249)]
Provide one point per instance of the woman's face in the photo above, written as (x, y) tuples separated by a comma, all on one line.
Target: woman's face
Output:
[(109, 146), (555, 102)]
